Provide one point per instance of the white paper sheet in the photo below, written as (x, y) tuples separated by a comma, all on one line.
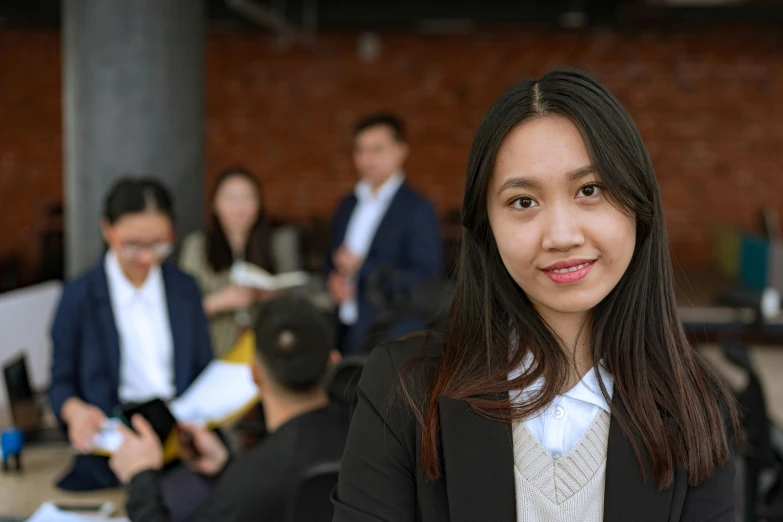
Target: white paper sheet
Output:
[(222, 390), (249, 275), (49, 513)]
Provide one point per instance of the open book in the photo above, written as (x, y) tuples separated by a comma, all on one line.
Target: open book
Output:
[(222, 393), (253, 276)]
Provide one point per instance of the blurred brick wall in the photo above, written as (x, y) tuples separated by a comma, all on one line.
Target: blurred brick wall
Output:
[(707, 103)]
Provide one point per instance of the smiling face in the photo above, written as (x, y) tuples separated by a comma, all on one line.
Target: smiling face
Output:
[(559, 236)]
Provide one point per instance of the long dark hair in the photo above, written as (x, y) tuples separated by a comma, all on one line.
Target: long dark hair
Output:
[(666, 398), (257, 247)]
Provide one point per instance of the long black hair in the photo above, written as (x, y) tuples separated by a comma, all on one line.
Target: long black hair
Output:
[(666, 399), (257, 247)]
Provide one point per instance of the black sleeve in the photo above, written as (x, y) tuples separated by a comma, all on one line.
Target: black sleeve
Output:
[(714, 500), (377, 474), (255, 483), (144, 500)]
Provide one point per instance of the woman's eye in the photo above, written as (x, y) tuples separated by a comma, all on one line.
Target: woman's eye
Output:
[(589, 191), (524, 203)]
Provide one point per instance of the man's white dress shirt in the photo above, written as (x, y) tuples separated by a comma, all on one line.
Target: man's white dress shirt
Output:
[(367, 215)]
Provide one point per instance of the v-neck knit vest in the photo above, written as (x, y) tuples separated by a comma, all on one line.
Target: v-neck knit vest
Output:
[(567, 489)]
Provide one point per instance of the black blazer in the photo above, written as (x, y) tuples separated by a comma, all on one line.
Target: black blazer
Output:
[(381, 477)]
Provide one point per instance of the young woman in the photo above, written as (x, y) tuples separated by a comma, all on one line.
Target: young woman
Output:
[(239, 231), (129, 330), (565, 388)]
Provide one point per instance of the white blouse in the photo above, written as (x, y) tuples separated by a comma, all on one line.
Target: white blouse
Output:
[(146, 343), (565, 421)]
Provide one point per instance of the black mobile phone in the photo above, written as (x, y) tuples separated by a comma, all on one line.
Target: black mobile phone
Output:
[(157, 414), (105, 509)]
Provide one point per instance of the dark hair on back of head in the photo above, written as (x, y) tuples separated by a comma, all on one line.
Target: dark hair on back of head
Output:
[(381, 119), (135, 195), (293, 342)]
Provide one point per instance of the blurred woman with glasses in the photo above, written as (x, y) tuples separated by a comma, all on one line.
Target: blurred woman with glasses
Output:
[(131, 329), (238, 232)]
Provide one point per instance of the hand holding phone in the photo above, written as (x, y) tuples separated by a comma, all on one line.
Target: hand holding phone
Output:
[(156, 413), (203, 451)]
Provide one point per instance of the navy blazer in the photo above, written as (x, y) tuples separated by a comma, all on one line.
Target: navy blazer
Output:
[(407, 239), (86, 356)]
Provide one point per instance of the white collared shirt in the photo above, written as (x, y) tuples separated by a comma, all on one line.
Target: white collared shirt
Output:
[(367, 215), (146, 343), (560, 426)]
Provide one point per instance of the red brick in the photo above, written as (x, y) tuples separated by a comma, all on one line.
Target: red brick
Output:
[(706, 103)]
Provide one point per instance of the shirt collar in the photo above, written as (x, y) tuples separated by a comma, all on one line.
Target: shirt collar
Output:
[(587, 390), (122, 289), (385, 192)]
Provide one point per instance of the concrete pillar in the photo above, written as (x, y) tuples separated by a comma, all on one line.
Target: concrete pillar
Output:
[(133, 105)]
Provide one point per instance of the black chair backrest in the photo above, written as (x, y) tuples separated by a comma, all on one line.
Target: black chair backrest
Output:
[(342, 381), (398, 297), (753, 407), (311, 499)]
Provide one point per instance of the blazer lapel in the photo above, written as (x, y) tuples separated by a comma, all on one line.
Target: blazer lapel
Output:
[(627, 496), (180, 332), (343, 219), (478, 462), (106, 323)]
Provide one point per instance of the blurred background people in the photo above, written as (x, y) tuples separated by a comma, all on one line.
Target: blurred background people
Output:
[(293, 352), (129, 330), (382, 224), (238, 231)]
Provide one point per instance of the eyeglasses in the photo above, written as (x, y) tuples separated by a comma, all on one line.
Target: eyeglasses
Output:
[(132, 249)]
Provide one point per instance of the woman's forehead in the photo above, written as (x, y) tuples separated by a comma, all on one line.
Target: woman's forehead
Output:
[(541, 151)]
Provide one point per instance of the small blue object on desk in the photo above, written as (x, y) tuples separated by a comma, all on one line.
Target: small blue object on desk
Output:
[(12, 443)]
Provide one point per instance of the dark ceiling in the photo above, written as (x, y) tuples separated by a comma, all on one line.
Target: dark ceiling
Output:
[(411, 14)]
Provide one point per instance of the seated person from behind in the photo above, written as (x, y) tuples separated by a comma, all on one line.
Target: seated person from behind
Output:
[(129, 330), (293, 352)]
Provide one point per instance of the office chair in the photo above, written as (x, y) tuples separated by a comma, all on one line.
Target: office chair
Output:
[(762, 459), (342, 381), (311, 499), (399, 297)]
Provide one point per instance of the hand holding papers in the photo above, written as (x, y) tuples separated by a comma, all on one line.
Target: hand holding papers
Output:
[(252, 276), (223, 392)]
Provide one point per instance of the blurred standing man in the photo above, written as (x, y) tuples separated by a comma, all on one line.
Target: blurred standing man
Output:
[(382, 223)]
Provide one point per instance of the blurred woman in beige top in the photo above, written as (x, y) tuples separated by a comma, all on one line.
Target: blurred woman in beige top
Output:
[(238, 231)]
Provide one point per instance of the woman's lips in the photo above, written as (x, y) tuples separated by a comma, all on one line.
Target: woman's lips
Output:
[(564, 275)]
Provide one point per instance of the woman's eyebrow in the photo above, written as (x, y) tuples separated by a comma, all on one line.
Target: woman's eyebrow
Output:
[(527, 183)]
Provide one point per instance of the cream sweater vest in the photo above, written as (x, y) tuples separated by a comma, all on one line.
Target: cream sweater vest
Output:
[(570, 489)]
